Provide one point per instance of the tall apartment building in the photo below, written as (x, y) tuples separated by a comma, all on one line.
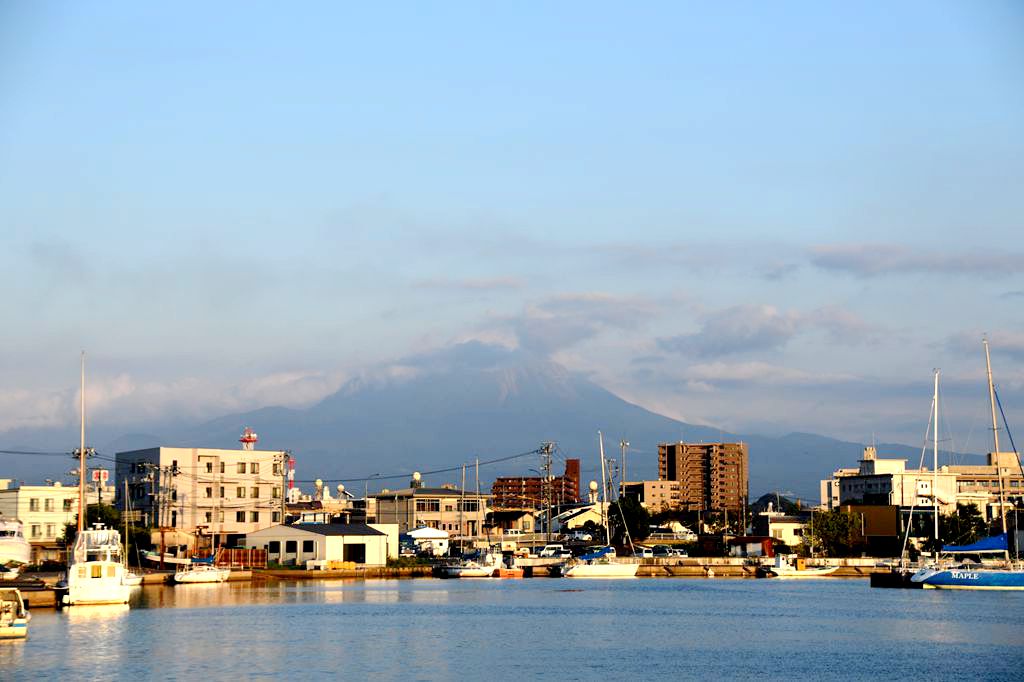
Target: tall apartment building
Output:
[(532, 492), (712, 476), (227, 493)]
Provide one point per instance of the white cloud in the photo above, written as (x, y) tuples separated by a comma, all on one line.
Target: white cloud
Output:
[(869, 260)]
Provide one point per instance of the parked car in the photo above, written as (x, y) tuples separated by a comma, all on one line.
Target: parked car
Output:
[(580, 535), (679, 552), (553, 551), (662, 551), (644, 552)]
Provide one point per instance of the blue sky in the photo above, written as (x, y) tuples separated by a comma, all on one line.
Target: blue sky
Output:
[(765, 218)]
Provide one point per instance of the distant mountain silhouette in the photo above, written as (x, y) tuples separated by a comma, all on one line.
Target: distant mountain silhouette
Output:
[(479, 401)]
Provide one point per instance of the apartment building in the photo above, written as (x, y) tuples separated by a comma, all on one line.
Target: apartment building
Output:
[(205, 491), (45, 511), (711, 476), (461, 513), (656, 496), (535, 492)]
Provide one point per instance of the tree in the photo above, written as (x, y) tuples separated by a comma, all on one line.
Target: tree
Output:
[(962, 527), (111, 518), (635, 516), (834, 532)]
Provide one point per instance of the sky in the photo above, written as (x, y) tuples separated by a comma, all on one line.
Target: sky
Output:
[(767, 217)]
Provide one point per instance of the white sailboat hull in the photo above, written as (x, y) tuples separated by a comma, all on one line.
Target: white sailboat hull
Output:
[(602, 570), (203, 574)]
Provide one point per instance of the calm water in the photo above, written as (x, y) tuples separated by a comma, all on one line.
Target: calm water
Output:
[(556, 628)]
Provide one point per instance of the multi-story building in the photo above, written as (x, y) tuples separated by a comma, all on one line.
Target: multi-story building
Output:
[(460, 512), (45, 511), (883, 481), (535, 492), (656, 496), (712, 476), (204, 491)]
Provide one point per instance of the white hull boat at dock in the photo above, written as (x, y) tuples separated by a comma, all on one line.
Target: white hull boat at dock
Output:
[(202, 574), (786, 568), (601, 564), (14, 616), (95, 570), (15, 550)]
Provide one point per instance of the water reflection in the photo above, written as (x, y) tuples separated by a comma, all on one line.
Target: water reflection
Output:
[(439, 629)]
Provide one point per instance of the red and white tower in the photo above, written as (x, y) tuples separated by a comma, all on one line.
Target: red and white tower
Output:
[(248, 439)]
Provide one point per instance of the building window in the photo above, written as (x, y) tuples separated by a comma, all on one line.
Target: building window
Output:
[(240, 516), (49, 530), (240, 492), (254, 517), (220, 516), (209, 517), (277, 468), (174, 494), (274, 547), (174, 518), (209, 467), (275, 517), (307, 546), (35, 530), (241, 467), (222, 491), (290, 546), (470, 505), (67, 504), (255, 492), (428, 505), (276, 492), (254, 467), (222, 467), (48, 504), (209, 491), (33, 504)]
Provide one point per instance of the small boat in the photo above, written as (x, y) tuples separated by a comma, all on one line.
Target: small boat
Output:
[(202, 573), (601, 564), (14, 617), (790, 566), (95, 569), (505, 572), (485, 565), (15, 550), (131, 579)]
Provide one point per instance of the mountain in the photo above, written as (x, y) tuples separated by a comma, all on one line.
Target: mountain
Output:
[(470, 401)]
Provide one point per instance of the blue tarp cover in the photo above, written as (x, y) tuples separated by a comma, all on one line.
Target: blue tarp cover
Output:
[(596, 555), (205, 560), (996, 543)]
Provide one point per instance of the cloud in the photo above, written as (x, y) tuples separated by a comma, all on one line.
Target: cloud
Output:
[(568, 319), (760, 373), (776, 272), (737, 329), (757, 328), (472, 284), (870, 260), (1004, 342), (1012, 294), (126, 399)]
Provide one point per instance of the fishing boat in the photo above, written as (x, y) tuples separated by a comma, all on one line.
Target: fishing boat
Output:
[(15, 551), (789, 566), (14, 617), (95, 570)]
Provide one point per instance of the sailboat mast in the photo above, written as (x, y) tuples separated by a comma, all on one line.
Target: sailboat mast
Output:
[(604, 491), (81, 456), (935, 461), (995, 431)]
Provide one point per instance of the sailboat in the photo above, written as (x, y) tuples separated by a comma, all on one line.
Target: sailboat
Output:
[(602, 563), (128, 577), (95, 573), (952, 575)]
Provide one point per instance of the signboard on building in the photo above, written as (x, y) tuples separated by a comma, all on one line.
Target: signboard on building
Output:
[(100, 475)]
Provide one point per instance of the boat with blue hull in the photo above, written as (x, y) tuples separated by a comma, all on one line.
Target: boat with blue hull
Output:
[(971, 576)]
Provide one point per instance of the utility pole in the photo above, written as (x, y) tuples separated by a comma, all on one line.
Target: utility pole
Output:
[(546, 449), (624, 445)]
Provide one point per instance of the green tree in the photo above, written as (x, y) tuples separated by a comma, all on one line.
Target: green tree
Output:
[(834, 532), (630, 512), (962, 527), (110, 517)]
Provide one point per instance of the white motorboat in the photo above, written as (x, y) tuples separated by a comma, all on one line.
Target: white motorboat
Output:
[(601, 564), (788, 566), (15, 551), (95, 570), (14, 616), (131, 579), (202, 573), (487, 565)]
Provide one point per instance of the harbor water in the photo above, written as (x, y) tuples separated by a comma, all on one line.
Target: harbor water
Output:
[(548, 628)]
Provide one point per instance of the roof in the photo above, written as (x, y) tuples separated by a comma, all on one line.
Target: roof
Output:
[(428, 492), (425, 533), (337, 528)]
